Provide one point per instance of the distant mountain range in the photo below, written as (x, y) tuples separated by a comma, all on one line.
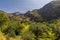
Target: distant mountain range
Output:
[(49, 12)]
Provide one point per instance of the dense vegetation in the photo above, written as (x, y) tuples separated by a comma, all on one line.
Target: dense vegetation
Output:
[(17, 28)]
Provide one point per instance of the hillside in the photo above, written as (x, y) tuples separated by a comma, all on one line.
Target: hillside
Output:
[(49, 12), (38, 24)]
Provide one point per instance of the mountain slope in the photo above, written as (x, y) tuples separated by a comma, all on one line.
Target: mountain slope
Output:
[(51, 10), (34, 15)]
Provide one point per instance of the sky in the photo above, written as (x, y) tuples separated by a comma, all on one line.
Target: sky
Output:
[(21, 5)]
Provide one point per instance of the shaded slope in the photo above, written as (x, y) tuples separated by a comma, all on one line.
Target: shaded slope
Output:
[(50, 11)]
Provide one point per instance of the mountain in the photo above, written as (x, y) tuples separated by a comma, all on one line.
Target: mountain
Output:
[(34, 15), (50, 11)]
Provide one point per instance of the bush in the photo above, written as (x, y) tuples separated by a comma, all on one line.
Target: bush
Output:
[(27, 35)]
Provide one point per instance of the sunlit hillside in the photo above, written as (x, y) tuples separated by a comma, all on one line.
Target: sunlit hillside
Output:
[(21, 27), (38, 24)]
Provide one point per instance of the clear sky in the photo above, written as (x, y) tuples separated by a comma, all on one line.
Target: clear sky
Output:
[(21, 5)]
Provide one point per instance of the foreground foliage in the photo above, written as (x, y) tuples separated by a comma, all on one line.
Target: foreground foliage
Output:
[(14, 29)]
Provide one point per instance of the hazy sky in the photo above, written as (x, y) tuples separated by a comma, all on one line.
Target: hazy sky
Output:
[(21, 5)]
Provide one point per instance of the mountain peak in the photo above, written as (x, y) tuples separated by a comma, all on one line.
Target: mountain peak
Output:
[(56, 0), (55, 3)]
